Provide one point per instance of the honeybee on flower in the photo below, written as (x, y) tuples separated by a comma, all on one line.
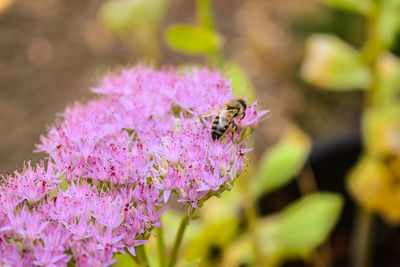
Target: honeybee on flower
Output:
[(225, 115)]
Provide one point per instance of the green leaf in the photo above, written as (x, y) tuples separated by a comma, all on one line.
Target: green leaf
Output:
[(123, 15), (356, 6), (333, 64), (299, 228), (192, 40), (281, 163), (241, 84), (389, 22)]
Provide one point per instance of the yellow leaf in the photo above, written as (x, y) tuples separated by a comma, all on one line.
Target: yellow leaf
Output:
[(374, 187), (381, 129), (332, 64)]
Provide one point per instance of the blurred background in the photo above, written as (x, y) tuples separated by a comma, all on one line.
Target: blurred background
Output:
[(52, 52)]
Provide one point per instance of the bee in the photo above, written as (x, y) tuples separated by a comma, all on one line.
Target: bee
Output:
[(225, 115)]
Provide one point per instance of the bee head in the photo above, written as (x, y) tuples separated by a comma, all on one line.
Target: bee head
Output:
[(242, 103)]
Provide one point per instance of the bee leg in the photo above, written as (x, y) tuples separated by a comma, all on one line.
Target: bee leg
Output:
[(243, 115), (234, 129)]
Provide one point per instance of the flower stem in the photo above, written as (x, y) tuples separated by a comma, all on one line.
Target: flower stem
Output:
[(362, 238), (204, 14), (178, 240), (141, 254), (161, 247), (363, 225), (252, 218), (205, 18)]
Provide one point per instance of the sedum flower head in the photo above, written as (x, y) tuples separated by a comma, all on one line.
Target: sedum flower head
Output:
[(113, 164)]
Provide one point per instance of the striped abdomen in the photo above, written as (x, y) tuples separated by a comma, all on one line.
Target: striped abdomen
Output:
[(217, 130), (221, 123)]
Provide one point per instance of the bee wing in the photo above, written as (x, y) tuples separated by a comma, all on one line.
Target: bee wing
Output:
[(214, 111), (225, 117)]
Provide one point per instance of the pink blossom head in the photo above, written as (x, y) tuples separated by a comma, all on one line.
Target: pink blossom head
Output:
[(115, 161)]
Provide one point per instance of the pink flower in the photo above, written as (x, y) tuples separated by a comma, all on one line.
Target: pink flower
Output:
[(48, 256), (252, 117), (25, 224), (32, 185), (113, 164), (9, 255), (201, 90), (109, 212)]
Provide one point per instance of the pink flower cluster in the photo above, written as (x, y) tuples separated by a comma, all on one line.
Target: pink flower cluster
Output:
[(44, 220), (113, 164)]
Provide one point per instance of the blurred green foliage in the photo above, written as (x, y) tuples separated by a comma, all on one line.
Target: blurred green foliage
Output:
[(189, 264), (136, 23), (217, 234), (281, 163), (122, 16), (381, 128), (200, 39), (124, 260), (372, 183), (357, 6), (388, 24), (388, 80), (241, 84), (332, 64), (192, 40), (299, 228)]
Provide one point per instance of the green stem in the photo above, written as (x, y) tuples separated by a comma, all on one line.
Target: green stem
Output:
[(372, 51), (361, 247), (178, 240), (362, 238), (252, 217), (161, 247), (251, 213), (141, 254), (204, 14), (215, 58), (205, 18)]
